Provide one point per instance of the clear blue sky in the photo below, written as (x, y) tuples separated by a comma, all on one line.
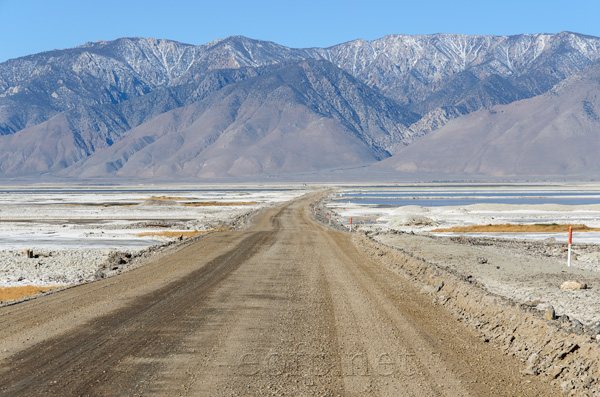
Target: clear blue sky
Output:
[(31, 26)]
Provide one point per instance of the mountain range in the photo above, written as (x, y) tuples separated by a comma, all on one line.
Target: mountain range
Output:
[(445, 103)]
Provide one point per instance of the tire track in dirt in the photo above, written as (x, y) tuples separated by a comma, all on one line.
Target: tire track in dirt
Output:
[(140, 328), (286, 307)]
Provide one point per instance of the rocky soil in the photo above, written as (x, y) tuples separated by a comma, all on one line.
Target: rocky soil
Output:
[(526, 272)]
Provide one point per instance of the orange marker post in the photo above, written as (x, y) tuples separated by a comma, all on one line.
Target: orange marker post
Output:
[(570, 242), (350, 223), (330, 218)]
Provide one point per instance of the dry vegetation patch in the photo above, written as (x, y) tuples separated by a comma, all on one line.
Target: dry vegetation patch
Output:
[(11, 293), (517, 228)]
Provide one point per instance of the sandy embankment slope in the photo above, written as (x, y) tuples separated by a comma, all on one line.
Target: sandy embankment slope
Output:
[(525, 267), (560, 352), (528, 272)]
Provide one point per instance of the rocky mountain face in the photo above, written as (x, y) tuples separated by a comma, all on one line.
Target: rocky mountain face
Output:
[(61, 108), (412, 68)]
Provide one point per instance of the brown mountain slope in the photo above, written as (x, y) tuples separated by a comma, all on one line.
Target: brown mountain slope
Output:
[(301, 117), (555, 134)]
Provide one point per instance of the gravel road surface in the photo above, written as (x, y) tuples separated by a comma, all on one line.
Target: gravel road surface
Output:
[(284, 307)]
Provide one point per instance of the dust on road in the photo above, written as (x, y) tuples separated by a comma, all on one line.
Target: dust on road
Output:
[(285, 307)]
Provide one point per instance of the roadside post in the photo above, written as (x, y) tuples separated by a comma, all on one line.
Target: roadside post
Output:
[(350, 223), (570, 242), (330, 218)]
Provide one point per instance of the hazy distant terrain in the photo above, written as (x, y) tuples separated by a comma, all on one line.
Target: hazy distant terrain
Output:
[(137, 107)]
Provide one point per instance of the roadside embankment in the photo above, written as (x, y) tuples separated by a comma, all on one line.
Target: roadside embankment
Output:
[(565, 355)]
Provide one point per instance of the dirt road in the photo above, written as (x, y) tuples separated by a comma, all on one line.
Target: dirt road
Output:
[(286, 307)]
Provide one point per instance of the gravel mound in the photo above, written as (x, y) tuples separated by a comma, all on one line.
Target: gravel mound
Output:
[(55, 268)]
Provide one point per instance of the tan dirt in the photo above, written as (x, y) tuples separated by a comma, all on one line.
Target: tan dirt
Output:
[(167, 198), (99, 205), (12, 293), (285, 307), (524, 272), (187, 202)]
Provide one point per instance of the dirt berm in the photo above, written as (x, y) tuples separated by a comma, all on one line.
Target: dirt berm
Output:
[(569, 361)]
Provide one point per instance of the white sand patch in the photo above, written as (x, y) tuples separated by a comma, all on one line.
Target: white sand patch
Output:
[(50, 268)]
